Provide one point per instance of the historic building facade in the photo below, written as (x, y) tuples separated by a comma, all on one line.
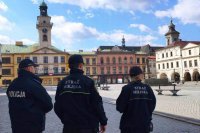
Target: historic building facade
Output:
[(114, 62), (52, 61), (179, 60)]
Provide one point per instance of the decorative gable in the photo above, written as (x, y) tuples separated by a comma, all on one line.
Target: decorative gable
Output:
[(115, 48), (190, 45), (46, 50)]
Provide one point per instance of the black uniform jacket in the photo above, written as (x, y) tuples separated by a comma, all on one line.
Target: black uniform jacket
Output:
[(78, 104), (28, 103), (137, 102)]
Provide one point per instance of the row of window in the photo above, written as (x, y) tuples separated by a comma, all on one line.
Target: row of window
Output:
[(94, 71), (114, 70), (163, 55), (171, 64), (45, 70), (7, 60), (87, 61), (125, 60), (171, 54), (190, 63)]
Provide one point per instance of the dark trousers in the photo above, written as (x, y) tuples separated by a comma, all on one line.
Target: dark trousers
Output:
[(129, 130), (74, 130), (25, 131)]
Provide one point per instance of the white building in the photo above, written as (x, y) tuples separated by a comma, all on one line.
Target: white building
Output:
[(179, 60)]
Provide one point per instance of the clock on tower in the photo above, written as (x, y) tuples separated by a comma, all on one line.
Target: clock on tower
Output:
[(44, 30)]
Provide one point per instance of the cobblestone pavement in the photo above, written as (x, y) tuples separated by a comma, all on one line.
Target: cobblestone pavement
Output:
[(53, 124)]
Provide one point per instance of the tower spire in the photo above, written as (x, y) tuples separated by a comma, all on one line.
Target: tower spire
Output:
[(43, 9), (172, 35), (123, 42)]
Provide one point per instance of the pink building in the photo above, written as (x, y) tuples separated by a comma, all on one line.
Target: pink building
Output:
[(114, 62)]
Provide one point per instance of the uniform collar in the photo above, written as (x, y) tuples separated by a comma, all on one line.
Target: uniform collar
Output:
[(76, 71), (27, 74)]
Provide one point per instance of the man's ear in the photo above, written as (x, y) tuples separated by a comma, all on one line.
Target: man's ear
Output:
[(80, 66)]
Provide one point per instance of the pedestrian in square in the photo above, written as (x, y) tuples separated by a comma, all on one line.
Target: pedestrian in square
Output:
[(77, 102), (28, 100), (137, 103)]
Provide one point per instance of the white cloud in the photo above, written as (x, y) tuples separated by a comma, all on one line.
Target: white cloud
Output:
[(3, 6), (133, 5), (185, 10), (27, 41), (35, 1), (141, 27), (89, 15), (116, 37), (5, 24), (163, 29), (6, 40), (161, 14), (69, 32)]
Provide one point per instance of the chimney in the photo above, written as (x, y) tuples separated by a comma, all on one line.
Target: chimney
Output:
[(19, 43)]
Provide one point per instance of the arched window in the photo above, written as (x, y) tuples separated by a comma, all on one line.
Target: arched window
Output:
[(45, 38), (131, 60), (108, 60), (120, 60), (125, 60), (114, 60), (101, 60)]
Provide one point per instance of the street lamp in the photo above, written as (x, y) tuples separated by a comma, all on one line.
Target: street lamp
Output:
[(174, 75)]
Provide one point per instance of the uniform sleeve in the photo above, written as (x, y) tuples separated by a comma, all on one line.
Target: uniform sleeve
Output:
[(43, 98), (122, 100), (98, 105), (57, 104), (152, 103)]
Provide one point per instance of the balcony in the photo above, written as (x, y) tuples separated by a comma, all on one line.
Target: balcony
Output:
[(53, 74)]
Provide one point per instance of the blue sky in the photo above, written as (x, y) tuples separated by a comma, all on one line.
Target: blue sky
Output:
[(87, 24)]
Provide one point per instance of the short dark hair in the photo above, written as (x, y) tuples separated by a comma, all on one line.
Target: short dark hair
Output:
[(134, 71), (75, 60), (71, 66)]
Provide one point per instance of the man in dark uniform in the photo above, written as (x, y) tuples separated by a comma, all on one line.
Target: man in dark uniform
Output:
[(28, 100), (78, 104), (137, 102)]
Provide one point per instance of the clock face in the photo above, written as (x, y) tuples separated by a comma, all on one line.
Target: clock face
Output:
[(44, 30)]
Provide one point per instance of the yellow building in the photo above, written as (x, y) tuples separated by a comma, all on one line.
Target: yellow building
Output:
[(53, 62)]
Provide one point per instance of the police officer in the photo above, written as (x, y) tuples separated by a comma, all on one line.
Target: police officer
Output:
[(28, 100), (137, 102), (77, 102)]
